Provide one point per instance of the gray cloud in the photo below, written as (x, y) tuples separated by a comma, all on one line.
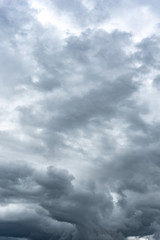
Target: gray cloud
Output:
[(79, 126)]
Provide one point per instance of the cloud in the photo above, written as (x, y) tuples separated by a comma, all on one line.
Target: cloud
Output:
[(79, 130)]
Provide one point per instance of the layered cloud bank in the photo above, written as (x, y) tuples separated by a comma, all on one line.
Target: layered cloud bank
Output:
[(79, 123)]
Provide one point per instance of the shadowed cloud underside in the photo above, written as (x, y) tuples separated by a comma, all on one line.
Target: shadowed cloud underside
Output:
[(79, 120)]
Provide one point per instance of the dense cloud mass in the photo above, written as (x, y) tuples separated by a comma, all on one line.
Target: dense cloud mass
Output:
[(79, 120)]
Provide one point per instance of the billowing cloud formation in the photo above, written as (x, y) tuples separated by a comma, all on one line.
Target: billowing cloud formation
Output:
[(79, 132)]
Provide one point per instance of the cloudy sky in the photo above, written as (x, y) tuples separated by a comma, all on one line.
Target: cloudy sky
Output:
[(79, 120)]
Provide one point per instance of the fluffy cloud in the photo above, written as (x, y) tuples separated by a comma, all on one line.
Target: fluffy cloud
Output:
[(79, 128)]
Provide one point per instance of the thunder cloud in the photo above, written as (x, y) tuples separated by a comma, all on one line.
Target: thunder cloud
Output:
[(79, 120)]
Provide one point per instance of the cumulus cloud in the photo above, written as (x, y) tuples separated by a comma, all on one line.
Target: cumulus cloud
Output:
[(79, 130)]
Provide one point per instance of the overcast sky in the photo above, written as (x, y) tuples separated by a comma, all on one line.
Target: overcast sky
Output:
[(79, 119)]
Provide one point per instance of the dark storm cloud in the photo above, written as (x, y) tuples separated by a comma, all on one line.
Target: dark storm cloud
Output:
[(80, 100), (53, 191), (22, 189)]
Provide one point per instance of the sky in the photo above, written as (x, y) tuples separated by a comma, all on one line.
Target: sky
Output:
[(79, 120)]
